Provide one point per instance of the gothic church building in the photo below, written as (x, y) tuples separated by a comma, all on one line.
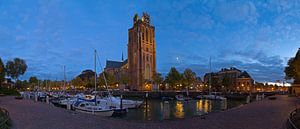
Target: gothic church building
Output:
[(141, 62)]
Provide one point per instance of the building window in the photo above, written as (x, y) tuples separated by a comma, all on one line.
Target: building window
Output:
[(150, 36), (147, 35), (143, 36), (147, 72), (147, 57), (143, 57)]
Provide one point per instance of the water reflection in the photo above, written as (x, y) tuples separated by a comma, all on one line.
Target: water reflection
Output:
[(166, 110), (179, 112), (162, 110), (203, 106)]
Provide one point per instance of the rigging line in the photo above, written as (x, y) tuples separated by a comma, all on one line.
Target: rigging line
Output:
[(104, 77)]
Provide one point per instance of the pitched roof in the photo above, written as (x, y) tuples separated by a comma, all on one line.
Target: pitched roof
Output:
[(244, 75), (115, 64)]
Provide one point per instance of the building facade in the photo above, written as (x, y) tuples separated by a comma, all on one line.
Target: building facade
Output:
[(141, 63), (141, 53), (236, 80), (244, 83)]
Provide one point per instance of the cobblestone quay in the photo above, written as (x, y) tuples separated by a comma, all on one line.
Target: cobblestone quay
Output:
[(266, 114)]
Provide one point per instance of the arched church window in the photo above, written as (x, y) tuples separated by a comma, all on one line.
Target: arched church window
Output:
[(147, 57), (147, 72), (147, 35)]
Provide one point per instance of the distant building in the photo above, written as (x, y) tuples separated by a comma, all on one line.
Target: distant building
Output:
[(116, 68), (236, 79), (244, 82), (141, 63)]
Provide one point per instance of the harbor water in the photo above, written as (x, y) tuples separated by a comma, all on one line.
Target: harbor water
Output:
[(158, 110)]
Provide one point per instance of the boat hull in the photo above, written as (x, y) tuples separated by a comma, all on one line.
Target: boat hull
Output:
[(96, 112)]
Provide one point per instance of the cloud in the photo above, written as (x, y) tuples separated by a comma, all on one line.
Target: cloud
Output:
[(237, 11)]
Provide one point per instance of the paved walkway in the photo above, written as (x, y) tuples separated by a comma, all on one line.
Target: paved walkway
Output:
[(266, 114)]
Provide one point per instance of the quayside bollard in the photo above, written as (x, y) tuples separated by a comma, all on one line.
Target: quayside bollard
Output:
[(35, 97), (263, 96), (47, 99), (68, 104), (29, 96), (121, 103), (146, 100), (146, 104), (166, 110), (248, 99), (224, 104), (257, 98)]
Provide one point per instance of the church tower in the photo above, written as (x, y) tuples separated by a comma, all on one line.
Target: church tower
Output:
[(141, 53)]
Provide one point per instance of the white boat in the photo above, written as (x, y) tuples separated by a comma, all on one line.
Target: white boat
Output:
[(212, 96), (66, 101), (93, 108), (126, 103), (180, 97)]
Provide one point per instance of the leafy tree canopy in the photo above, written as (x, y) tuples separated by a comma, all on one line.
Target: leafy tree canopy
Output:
[(292, 71), (16, 68), (173, 77), (2, 72), (189, 77)]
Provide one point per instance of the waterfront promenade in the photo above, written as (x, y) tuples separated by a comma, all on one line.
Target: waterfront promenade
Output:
[(265, 114)]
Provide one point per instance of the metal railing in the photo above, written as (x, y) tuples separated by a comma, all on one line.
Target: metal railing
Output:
[(290, 124), (4, 123)]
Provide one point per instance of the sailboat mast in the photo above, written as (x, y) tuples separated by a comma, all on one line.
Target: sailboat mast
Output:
[(64, 78), (209, 75), (95, 59)]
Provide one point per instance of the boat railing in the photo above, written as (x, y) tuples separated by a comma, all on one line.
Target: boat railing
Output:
[(4, 120), (290, 124)]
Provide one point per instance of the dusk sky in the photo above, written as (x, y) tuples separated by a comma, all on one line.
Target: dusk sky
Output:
[(256, 36)]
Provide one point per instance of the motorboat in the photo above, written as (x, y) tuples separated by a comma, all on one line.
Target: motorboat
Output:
[(70, 100), (180, 97), (166, 98), (93, 107), (212, 96), (126, 103)]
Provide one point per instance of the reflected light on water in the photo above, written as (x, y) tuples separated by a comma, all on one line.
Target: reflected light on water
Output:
[(179, 112), (203, 106), (147, 111)]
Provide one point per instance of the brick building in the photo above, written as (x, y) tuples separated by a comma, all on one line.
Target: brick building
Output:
[(141, 63), (237, 80)]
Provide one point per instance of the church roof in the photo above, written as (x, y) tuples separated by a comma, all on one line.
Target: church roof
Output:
[(298, 54), (244, 75), (115, 64)]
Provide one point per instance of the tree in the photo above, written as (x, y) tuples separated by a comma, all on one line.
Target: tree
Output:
[(157, 79), (16, 68), (173, 78), (21, 84), (110, 79), (292, 71), (77, 82), (88, 76), (33, 80), (124, 79), (2, 72), (189, 77)]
